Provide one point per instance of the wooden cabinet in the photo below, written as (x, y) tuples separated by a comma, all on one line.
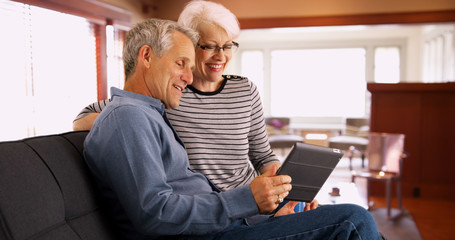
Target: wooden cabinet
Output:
[(425, 113)]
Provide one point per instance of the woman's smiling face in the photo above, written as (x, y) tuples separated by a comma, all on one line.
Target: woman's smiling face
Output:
[(210, 65)]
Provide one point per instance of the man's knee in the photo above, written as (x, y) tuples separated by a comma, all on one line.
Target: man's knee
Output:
[(358, 214), (361, 212)]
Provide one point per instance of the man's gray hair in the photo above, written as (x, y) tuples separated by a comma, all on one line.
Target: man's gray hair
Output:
[(156, 33)]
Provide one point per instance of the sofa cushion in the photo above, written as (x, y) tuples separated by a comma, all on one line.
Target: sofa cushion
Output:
[(46, 190)]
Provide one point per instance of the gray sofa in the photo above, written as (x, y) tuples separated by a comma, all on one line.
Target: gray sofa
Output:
[(46, 191)]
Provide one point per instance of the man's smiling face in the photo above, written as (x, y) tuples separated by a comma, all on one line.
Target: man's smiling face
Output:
[(172, 72)]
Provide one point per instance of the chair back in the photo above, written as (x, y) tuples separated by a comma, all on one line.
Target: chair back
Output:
[(385, 151), (277, 125), (357, 122), (358, 127)]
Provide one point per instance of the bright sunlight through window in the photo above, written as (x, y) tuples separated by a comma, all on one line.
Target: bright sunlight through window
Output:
[(114, 48), (253, 68), (387, 65), (48, 67), (318, 82)]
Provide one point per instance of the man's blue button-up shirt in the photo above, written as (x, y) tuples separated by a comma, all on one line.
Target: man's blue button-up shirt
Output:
[(143, 173)]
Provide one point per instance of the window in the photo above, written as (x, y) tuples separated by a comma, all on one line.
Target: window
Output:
[(439, 54), (253, 68), (114, 46), (49, 67), (318, 82), (319, 75), (387, 65)]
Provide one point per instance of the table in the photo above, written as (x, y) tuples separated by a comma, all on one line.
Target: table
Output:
[(317, 134), (348, 194)]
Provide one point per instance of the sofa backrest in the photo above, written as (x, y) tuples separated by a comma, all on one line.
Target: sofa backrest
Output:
[(46, 191)]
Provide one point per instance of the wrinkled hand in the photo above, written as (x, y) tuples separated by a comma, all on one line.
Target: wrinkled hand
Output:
[(268, 188), (312, 205), (287, 209)]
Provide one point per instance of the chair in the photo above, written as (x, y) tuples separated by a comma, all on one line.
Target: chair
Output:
[(385, 163), (280, 135), (353, 140)]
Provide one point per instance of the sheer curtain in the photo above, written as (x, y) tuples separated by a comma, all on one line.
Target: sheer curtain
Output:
[(48, 70)]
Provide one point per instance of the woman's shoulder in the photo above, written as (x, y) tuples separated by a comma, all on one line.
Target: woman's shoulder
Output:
[(240, 80), (233, 76), (237, 79)]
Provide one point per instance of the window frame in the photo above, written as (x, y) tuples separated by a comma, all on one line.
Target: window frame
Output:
[(369, 44)]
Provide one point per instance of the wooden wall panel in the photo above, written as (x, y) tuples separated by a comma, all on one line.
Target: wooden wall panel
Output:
[(426, 114)]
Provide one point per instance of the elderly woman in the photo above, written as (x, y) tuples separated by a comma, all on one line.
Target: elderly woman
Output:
[(220, 117)]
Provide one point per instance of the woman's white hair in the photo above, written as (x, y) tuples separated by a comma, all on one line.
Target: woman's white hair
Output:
[(198, 12)]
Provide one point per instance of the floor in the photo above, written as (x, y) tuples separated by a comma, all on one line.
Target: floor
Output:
[(434, 218)]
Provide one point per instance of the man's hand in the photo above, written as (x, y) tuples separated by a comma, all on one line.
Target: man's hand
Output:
[(268, 189)]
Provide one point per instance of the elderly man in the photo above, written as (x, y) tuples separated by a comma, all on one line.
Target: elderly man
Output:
[(142, 168)]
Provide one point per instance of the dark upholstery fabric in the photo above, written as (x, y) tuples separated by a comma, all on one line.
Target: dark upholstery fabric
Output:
[(46, 191)]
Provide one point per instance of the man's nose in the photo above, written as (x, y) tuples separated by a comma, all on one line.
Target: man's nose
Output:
[(188, 76)]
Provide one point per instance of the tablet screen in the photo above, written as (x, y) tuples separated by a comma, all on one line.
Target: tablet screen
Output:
[(309, 167)]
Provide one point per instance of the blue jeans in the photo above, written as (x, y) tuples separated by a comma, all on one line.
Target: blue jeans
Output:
[(343, 221)]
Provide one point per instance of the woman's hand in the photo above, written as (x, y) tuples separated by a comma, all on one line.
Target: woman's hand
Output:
[(312, 205), (288, 208)]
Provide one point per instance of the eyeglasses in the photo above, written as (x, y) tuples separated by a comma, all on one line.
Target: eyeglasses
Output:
[(227, 49)]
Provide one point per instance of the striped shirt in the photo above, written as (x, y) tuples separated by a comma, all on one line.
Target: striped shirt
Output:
[(224, 131), (95, 107)]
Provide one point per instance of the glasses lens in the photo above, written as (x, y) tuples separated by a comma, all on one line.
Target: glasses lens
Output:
[(227, 49), (235, 47)]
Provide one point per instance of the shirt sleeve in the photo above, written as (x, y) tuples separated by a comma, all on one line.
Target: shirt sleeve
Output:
[(260, 152), (147, 171), (95, 107)]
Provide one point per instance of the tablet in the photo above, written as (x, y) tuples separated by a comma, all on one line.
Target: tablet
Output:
[(309, 167)]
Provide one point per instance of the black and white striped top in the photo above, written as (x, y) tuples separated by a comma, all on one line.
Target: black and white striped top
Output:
[(224, 131)]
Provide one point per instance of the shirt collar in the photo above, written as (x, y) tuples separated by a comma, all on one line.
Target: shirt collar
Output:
[(153, 102)]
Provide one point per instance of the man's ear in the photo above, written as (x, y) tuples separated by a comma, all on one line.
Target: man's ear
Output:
[(146, 55)]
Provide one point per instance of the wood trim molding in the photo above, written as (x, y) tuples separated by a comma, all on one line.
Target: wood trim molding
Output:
[(360, 19), (411, 87), (101, 61), (90, 9)]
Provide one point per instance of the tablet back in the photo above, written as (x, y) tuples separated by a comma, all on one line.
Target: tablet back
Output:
[(309, 167)]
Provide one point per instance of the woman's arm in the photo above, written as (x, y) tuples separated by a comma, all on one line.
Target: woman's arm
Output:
[(85, 123), (86, 118)]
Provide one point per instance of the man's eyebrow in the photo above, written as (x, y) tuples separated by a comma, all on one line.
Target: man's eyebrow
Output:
[(188, 60)]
